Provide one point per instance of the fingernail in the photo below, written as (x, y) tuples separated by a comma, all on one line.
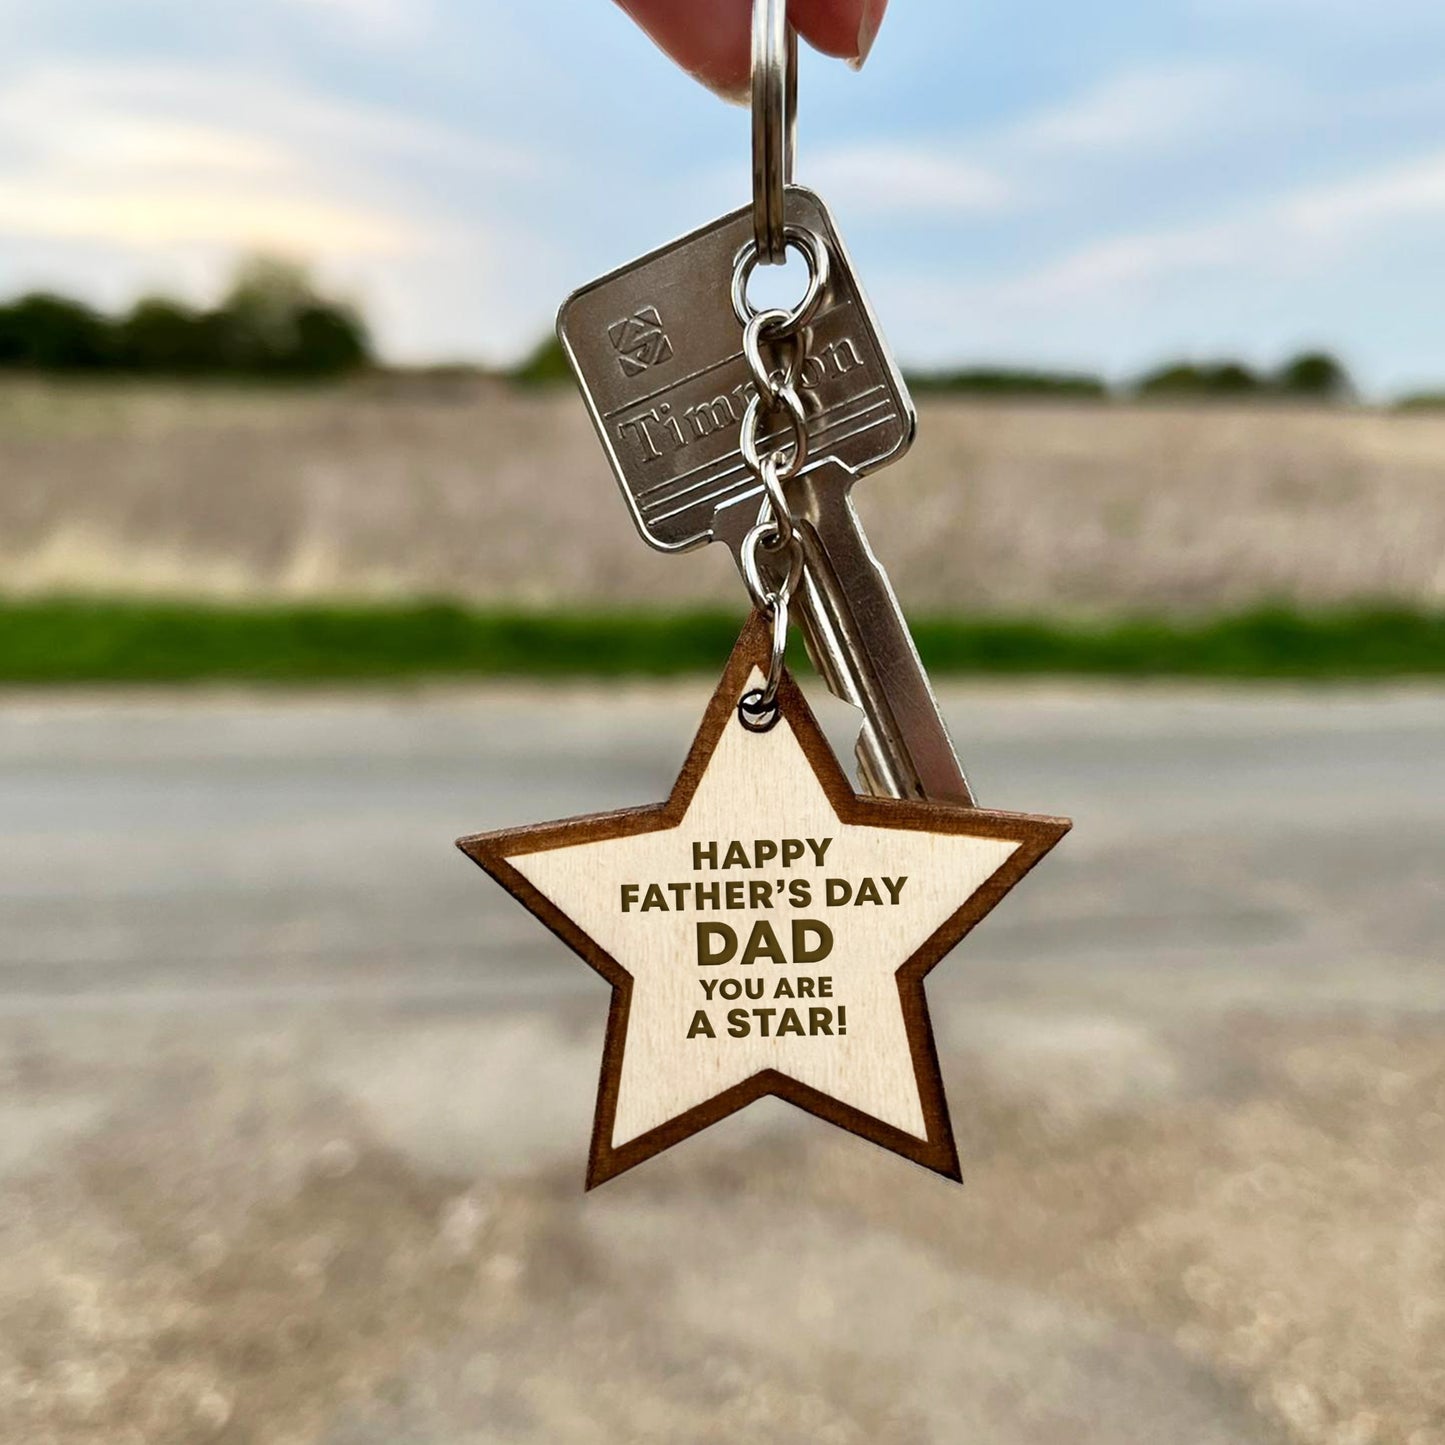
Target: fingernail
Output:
[(735, 92), (867, 31), (734, 95)]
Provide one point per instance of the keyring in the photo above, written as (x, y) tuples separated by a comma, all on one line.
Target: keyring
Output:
[(815, 252), (775, 123)]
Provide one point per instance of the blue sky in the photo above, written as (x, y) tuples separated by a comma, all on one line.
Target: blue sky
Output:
[(1021, 181)]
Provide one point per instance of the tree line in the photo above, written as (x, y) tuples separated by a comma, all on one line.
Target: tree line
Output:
[(1312, 375), (272, 321)]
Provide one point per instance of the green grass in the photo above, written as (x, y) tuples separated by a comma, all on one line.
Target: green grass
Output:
[(95, 641)]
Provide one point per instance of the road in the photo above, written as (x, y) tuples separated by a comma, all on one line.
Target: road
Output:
[(296, 1102)]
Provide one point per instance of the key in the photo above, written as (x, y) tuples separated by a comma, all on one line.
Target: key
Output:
[(657, 350)]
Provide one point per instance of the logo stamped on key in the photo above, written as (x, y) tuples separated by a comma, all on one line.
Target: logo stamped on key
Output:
[(640, 341)]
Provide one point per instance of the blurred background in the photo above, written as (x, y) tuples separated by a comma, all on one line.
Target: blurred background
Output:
[(310, 562)]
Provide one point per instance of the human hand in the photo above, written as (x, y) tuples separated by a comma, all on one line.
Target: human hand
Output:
[(711, 39)]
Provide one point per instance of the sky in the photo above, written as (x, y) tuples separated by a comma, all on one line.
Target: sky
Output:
[(1021, 182)]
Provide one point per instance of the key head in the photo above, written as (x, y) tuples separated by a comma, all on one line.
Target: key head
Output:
[(657, 350)]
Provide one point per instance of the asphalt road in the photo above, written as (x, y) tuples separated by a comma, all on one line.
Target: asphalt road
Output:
[(295, 1102)]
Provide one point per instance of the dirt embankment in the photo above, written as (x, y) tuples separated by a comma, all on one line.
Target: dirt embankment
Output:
[(470, 489)]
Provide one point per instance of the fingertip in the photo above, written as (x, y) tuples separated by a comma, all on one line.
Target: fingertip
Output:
[(712, 42), (845, 29)]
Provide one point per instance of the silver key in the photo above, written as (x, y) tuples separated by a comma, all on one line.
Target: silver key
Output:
[(657, 349)]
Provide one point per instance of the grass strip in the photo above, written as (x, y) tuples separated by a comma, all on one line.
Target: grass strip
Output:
[(75, 640)]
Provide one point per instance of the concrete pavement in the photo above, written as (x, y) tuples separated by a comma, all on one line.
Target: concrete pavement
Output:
[(296, 1102)]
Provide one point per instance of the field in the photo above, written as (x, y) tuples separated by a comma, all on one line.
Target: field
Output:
[(467, 489)]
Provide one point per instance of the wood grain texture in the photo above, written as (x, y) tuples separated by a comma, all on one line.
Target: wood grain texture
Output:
[(866, 1059)]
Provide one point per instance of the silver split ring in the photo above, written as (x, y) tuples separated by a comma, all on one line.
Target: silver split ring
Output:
[(815, 252), (775, 122), (758, 709), (779, 655)]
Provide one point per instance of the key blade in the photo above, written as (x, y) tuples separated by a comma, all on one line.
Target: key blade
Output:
[(657, 351), (859, 642)]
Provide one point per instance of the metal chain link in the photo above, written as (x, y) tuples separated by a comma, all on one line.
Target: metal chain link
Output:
[(772, 554)]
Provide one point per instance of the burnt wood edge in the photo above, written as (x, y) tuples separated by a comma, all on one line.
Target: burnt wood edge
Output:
[(936, 1150)]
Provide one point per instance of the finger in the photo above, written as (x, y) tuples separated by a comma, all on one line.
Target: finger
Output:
[(712, 39)]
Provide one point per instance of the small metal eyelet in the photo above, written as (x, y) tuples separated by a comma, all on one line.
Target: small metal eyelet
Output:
[(756, 715)]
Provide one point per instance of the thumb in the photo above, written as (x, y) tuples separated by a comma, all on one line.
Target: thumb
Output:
[(712, 39)]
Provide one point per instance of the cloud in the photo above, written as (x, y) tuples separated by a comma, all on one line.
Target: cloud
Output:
[(142, 144), (1372, 20), (1136, 113), (1303, 228), (1126, 263), (1306, 230), (154, 156), (1143, 111), (1139, 113), (896, 176), (133, 214), (384, 21), (118, 178), (58, 100), (1412, 190)]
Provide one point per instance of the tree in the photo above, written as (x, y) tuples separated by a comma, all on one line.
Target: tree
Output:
[(54, 333), (330, 339), (1316, 374), (273, 319), (160, 335), (546, 366), (995, 381), (1229, 378), (261, 311), (1221, 378)]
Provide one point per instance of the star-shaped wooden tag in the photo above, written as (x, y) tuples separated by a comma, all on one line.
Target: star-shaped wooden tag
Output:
[(766, 930)]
